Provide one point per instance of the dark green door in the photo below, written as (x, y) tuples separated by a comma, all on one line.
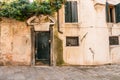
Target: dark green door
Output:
[(42, 47)]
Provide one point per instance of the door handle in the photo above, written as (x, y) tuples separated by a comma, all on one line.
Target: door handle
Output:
[(35, 50), (49, 41)]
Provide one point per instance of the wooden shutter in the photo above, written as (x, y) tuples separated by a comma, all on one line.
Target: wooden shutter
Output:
[(68, 16), (74, 11), (117, 11), (107, 12)]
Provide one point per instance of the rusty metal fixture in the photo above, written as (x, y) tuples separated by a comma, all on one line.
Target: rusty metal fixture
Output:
[(0, 19), (58, 23)]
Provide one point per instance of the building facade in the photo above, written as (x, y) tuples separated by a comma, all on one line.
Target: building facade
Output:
[(83, 32)]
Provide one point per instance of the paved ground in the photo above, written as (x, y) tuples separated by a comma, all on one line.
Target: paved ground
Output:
[(107, 72)]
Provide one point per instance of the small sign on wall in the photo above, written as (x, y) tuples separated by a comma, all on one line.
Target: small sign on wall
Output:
[(42, 27)]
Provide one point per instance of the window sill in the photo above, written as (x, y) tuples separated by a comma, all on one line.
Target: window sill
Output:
[(74, 47), (72, 23), (111, 22), (114, 45)]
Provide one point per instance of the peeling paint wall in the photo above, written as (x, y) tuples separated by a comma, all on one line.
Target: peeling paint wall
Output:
[(91, 28), (15, 43)]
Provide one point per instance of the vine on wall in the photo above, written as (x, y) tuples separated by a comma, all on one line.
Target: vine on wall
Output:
[(23, 9)]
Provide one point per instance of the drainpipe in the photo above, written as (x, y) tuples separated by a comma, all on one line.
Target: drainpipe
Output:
[(58, 23), (0, 37)]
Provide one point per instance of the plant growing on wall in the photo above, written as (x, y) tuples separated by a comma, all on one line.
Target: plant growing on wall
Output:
[(23, 9)]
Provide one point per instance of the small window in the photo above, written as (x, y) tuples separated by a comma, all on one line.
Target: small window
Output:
[(110, 13), (114, 40), (113, 13), (71, 13), (72, 41)]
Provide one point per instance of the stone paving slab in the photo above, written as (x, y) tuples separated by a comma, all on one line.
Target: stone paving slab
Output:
[(106, 72)]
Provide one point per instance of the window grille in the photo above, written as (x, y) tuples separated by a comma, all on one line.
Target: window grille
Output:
[(72, 41)]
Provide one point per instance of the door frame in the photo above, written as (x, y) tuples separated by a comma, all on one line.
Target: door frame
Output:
[(33, 33)]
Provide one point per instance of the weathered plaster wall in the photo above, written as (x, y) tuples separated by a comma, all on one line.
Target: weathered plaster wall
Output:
[(94, 49), (114, 30), (92, 30), (114, 2), (15, 43), (95, 46), (99, 1)]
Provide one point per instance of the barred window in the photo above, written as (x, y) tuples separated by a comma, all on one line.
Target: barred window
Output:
[(114, 40), (72, 41)]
